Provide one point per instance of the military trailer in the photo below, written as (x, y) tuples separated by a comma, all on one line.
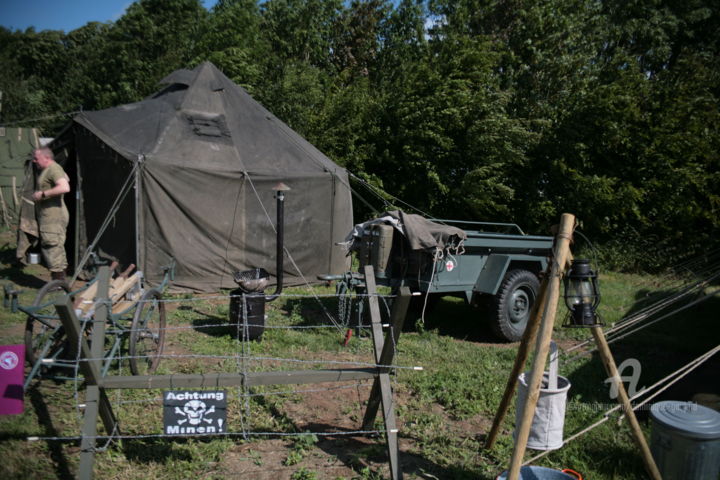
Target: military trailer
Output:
[(491, 264)]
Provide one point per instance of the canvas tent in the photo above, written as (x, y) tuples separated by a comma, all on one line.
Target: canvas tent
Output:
[(16, 147), (196, 163)]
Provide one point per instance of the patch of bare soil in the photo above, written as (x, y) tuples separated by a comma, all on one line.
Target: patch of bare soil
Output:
[(268, 459), (324, 408), (329, 408)]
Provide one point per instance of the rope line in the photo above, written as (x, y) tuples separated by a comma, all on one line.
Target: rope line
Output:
[(671, 379), (37, 119), (124, 190), (640, 327), (373, 189), (156, 399), (292, 260)]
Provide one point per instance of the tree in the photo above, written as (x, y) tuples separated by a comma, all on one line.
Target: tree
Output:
[(152, 39), (231, 39), (32, 61)]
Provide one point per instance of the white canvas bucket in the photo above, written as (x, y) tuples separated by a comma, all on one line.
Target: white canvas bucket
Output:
[(546, 432)]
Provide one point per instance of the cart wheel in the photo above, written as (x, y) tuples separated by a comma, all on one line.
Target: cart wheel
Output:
[(147, 334), (43, 329), (513, 303)]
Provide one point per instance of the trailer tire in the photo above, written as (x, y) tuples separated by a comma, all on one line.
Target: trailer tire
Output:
[(512, 304)]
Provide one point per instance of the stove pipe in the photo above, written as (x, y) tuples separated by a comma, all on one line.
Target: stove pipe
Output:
[(280, 188)]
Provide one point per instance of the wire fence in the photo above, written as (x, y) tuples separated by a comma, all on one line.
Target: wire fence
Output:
[(197, 334), (253, 405)]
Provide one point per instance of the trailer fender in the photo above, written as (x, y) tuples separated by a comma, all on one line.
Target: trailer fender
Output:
[(492, 274)]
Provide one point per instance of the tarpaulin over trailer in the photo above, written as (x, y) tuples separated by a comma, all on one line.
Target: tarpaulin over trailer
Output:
[(421, 234)]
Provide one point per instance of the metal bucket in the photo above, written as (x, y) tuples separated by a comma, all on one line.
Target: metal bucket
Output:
[(546, 431), (247, 314), (685, 440), (530, 472), (247, 304), (33, 258)]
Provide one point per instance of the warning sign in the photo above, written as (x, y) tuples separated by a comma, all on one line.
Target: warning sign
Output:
[(11, 379), (194, 412)]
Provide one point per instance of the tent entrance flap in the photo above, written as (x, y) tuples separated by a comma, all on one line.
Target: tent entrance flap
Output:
[(106, 224)]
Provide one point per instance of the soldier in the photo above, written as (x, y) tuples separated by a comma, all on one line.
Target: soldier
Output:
[(52, 215)]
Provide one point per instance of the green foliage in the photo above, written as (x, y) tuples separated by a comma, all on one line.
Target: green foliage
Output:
[(230, 38), (304, 474), (484, 110), (302, 445)]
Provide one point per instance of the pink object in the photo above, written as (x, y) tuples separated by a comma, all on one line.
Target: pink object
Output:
[(11, 379)]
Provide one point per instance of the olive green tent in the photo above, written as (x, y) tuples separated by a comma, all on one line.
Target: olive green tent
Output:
[(187, 174), (16, 146)]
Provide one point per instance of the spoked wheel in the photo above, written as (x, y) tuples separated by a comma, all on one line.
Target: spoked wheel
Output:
[(147, 335), (44, 334)]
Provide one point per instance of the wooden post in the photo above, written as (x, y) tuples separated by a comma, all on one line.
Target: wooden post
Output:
[(624, 401), (383, 378), (96, 400), (562, 250), (522, 355), (397, 319), (6, 219), (16, 203)]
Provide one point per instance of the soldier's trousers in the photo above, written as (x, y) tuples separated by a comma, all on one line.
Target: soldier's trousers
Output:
[(52, 244)]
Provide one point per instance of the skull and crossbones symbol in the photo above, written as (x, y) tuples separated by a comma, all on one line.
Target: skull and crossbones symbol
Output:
[(194, 412)]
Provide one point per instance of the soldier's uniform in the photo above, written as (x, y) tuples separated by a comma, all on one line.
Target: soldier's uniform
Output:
[(53, 218)]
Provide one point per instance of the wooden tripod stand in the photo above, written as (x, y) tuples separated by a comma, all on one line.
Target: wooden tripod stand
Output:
[(542, 320)]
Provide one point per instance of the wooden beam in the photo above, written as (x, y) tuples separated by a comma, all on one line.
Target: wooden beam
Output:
[(562, 250), (124, 286), (624, 399), (90, 364), (397, 319), (86, 299), (384, 386), (523, 352)]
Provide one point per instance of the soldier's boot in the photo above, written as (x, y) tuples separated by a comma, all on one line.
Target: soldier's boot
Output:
[(57, 275)]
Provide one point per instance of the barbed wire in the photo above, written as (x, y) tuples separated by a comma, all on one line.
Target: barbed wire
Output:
[(249, 358), (243, 358), (156, 399), (74, 438), (230, 296)]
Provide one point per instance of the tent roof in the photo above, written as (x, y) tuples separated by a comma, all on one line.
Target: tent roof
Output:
[(204, 104)]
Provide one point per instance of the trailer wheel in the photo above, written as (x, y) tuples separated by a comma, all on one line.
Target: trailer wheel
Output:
[(513, 303)]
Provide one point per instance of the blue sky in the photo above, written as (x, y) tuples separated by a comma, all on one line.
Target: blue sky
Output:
[(62, 14)]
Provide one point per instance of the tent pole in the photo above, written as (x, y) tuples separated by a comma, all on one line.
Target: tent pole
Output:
[(139, 261), (78, 195)]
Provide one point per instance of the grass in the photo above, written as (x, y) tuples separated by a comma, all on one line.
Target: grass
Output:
[(443, 411)]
